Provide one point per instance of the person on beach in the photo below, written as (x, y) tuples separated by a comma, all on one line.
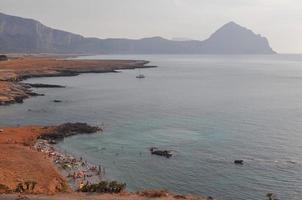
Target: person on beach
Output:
[(99, 170), (93, 168), (81, 185), (74, 176)]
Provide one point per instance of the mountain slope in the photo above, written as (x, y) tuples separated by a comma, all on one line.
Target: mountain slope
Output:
[(26, 35), (29, 36), (232, 38)]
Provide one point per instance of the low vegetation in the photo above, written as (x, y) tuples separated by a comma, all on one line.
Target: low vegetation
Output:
[(27, 187), (24, 187), (104, 187)]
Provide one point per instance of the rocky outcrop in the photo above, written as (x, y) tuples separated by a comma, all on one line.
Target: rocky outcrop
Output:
[(42, 85), (69, 129), (13, 71), (3, 58), (14, 93)]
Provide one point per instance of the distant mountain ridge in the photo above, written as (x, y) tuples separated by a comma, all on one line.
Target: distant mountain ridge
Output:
[(20, 35)]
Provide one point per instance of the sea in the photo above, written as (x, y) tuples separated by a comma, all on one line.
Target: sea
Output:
[(209, 110)]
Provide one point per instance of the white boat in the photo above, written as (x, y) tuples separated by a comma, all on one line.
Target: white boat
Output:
[(140, 75)]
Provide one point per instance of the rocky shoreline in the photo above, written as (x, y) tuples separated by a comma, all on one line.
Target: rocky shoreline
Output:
[(42, 85), (75, 170), (15, 70), (30, 140), (28, 157), (69, 129), (30, 163)]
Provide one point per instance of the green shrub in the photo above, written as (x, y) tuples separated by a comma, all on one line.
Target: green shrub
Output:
[(27, 186), (20, 188), (104, 187)]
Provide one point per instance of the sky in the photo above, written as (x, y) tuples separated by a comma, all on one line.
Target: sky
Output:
[(278, 20)]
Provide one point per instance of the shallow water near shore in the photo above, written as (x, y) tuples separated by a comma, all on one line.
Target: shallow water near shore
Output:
[(210, 110)]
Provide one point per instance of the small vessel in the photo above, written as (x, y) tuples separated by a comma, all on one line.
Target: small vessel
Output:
[(140, 75), (238, 162), (165, 153)]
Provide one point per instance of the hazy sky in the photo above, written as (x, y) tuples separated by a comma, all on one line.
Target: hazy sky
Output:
[(279, 20)]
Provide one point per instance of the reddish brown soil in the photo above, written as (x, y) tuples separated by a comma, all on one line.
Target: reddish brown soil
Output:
[(20, 163), (122, 196), (25, 135)]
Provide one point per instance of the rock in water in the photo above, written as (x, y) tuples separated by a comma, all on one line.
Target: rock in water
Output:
[(3, 58), (42, 85), (238, 162), (69, 129)]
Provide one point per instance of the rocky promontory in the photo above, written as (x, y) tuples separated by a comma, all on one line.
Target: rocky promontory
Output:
[(14, 70), (69, 129)]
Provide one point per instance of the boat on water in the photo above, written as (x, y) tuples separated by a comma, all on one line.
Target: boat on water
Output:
[(140, 75), (165, 153)]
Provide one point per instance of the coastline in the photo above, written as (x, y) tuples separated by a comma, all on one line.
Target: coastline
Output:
[(74, 170), (15, 70), (27, 156), (22, 143), (27, 153)]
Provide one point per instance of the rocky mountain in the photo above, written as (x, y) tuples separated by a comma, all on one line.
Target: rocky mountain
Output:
[(20, 35), (232, 38)]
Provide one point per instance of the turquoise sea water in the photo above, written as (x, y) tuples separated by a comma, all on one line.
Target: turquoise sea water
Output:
[(209, 110)]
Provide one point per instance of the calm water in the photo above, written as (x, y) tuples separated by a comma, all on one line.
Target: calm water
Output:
[(209, 109)]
